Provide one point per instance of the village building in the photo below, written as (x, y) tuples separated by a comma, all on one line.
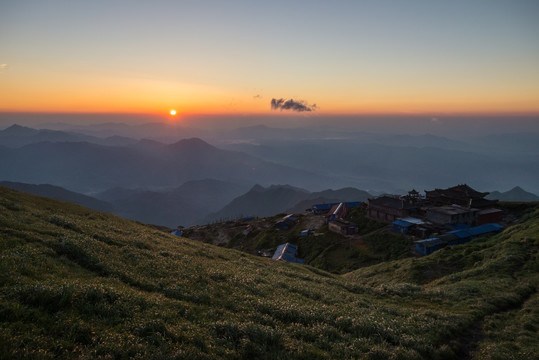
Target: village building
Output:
[(390, 208), (407, 225), (338, 211), (451, 215), (178, 231), (287, 252), (319, 209), (286, 222), (455, 237), (428, 246), (462, 195), (342, 227), (489, 216)]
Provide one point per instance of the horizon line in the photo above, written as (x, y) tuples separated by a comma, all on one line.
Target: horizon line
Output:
[(181, 115)]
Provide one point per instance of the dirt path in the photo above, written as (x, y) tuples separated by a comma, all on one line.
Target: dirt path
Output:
[(314, 222)]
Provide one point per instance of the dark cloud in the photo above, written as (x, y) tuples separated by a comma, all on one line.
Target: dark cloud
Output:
[(299, 106)]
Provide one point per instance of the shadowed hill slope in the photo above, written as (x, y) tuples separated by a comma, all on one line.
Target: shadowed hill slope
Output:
[(58, 193), (75, 283)]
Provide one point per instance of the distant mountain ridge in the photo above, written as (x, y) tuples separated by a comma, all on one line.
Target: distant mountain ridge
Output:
[(264, 202), (260, 201), (89, 167), (393, 166), (17, 136), (313, 157), (186, 205), (515, 194), (330, 196)]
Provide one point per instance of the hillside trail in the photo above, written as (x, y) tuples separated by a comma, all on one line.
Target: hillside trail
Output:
[(314, 222)]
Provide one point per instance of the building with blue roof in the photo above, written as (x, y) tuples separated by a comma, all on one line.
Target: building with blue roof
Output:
[(325, 208), (485, 229), (286, 222), (287, 252), (401, 226), (455, 237), (404, 225), (428, 246)]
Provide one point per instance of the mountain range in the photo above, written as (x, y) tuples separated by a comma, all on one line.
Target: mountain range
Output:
[(515, 194), (17, 136), (395, 168), (196, 202), (263, 202), (89, 167), (94, 158), (184, 205)]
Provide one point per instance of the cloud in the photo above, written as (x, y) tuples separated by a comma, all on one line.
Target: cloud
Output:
[(257, 96), (299, 106), (3, 67)]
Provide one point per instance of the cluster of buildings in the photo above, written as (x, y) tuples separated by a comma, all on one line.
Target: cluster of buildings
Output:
[(335, 219), (336, 214), (458, 213), (455, 237), (443, 217)]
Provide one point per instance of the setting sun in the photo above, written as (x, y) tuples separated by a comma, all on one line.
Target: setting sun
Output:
[(172, 112)]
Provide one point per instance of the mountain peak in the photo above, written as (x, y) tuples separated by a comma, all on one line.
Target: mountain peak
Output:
[(515, 194), (193, 144), (16, 129), (257, 188)]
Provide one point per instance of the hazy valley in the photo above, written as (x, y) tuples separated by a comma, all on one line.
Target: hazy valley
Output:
[(189, 181)]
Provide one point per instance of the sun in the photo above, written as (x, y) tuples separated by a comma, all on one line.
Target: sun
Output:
[(172, 112)]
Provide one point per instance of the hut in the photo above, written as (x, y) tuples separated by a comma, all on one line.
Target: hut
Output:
[(287, 252)]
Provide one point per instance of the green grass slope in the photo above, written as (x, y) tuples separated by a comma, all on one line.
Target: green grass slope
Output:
[(495, 279), (335, 253), (75, 283)]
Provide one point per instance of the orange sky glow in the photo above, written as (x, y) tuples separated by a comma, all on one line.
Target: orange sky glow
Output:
[(354, 58)]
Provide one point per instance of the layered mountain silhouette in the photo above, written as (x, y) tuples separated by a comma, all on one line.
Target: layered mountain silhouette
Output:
[(330, 196), (263, 202), (515, 194), (185, 205), (84, 159), (88, 167), (195, 202), (401, 166), (17, 136)]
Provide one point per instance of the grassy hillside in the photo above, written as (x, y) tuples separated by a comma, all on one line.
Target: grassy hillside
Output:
[(75, 283), (326, 250), (495, 279)]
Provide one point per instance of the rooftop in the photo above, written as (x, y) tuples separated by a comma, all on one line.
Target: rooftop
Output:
[(389, 201), (451, 210)]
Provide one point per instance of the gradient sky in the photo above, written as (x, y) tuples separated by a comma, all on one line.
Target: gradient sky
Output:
[(232, 57)]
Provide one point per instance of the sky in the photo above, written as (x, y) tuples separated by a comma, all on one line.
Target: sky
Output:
[(234, 57)]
